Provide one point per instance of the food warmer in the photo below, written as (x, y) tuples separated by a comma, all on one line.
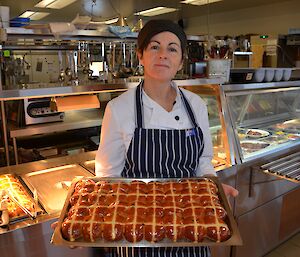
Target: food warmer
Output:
[(34, 175), (264, 121), (255, 131)]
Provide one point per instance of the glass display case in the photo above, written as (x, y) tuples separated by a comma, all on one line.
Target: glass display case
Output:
[(211, 94), (264, 119)]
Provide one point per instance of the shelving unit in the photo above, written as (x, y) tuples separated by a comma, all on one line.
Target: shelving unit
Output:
[(73, 120)]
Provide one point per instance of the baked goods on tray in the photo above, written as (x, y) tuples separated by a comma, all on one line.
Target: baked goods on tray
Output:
[(187, 210), (10, 187)]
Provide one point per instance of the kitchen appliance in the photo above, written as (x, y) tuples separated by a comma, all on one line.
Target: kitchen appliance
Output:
[(39, 111)]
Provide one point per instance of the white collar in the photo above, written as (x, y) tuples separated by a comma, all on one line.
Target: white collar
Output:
[(149, 102)]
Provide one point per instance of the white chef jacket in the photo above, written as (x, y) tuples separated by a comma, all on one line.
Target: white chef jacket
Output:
[(119, 123)]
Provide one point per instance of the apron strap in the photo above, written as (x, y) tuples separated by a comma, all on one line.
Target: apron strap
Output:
[(188, 109), (139, 105)]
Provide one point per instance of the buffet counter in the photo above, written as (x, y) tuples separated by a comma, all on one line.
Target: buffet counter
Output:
[(256, 139)]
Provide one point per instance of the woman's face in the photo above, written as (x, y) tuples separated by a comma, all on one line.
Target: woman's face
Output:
[(162, 58)]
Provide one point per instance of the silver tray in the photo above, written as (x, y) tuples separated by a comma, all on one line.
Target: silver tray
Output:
[(235, 238), (52, 184)]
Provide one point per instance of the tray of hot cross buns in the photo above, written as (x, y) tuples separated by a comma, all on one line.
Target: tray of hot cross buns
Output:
[(104, 212)]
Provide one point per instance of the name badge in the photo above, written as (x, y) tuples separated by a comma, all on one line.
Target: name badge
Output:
[(190, 132)]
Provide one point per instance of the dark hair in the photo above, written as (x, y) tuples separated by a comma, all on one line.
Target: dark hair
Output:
[(154, 27)]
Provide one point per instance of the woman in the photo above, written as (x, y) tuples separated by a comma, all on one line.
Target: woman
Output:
[(157, 130)]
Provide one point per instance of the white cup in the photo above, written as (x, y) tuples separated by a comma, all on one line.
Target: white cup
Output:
[(278, 74), (259, 75), (269, 75), (287, 74), (4, 16)]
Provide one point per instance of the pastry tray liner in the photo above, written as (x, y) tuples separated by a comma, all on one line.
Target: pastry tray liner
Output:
[(235, 239)]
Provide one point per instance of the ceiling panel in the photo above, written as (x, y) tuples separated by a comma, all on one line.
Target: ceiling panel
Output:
[(103, 9)]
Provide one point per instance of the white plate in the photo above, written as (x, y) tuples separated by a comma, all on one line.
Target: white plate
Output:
[(253, 145), (257, 133)]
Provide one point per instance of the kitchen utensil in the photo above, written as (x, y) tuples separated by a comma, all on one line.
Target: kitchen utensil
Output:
[(23, 208)]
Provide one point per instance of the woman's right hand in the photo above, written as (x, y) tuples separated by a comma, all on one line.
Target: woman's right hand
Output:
[(54, 225)]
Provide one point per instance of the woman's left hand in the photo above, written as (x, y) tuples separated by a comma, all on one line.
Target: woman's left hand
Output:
[(230, 191)]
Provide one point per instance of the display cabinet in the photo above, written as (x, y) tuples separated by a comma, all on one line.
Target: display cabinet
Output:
[(265, 120), (217, 115), (264, 128)]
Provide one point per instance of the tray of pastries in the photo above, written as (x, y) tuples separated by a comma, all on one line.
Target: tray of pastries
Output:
[(103, 212), (15, 198)]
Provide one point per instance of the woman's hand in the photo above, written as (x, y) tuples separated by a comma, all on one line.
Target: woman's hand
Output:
[(54, 225), (230, 191)]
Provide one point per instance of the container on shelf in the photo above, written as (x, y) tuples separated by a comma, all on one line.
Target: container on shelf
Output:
[(269, 74), (278, 75)]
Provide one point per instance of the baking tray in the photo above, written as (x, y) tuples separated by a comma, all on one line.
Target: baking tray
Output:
[(89, 165), (35, 208), (235, 238), (52, 184)]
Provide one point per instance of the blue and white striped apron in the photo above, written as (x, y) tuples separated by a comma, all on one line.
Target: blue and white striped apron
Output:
[(159, 153)]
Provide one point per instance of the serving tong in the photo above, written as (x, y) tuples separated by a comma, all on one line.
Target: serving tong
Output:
[(23, 208), (4, 215)]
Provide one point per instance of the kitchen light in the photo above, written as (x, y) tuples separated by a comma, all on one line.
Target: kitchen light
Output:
[(54, 4), (59, 4), (34, 15), (199, 2), (121, 21), (26, 14), (156, 11), (44, 3), (38, 16)]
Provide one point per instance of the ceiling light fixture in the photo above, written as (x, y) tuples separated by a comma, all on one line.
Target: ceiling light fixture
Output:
[(156, 11), (26, 14), (34, 15), (199, 2), (121, 21), (38, 16), (54, 4), (44, 3)]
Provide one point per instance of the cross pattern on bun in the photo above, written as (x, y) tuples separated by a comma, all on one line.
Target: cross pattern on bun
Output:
[(9, 183), (185, 210)]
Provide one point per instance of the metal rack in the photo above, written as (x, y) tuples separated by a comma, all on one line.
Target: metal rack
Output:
[(287, 167)]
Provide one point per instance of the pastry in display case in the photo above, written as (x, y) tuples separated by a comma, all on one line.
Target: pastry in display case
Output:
[(265, 120)]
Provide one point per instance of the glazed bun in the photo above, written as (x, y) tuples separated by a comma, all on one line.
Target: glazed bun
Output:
[(172, 211)]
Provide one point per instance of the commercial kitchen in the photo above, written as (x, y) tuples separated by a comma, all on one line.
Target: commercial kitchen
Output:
[(62, 61)]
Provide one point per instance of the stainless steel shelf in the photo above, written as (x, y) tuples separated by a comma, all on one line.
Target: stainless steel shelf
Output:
[(73, 120), (50, 90)]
